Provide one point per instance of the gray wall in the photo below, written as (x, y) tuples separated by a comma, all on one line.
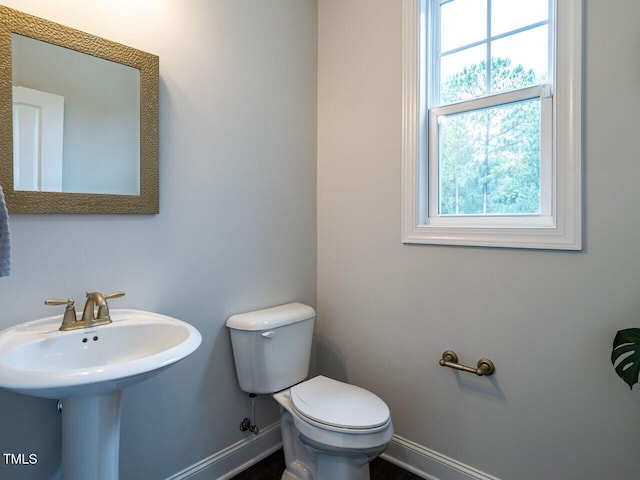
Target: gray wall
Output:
[(236, 229), (555, 409)]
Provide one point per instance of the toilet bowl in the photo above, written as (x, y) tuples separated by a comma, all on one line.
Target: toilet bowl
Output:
[(330, 430)]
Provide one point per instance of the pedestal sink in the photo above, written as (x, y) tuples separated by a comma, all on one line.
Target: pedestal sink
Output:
[(87, 369)]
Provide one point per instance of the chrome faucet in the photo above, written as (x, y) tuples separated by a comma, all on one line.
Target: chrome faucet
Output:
[(89, 316)]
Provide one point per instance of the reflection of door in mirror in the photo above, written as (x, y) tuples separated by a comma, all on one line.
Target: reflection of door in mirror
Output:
[(101, 121), (37, 140)]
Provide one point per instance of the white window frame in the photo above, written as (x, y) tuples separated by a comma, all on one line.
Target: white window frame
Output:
[(559, 225)]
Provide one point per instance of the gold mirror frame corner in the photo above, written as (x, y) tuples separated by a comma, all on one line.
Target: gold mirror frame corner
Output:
[(13, 21)]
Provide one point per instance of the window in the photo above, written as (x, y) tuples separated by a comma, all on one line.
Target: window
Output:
[(492, 123)]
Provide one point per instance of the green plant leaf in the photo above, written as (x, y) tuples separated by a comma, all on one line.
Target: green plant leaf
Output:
[(626, 352)]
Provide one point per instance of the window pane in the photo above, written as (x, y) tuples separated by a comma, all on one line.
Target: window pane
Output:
[(462, 22), (463, 75), (509, 15), (526, 51), (489, 160)]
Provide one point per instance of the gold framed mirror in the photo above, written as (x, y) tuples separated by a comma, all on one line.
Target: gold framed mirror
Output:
[(106, 156)]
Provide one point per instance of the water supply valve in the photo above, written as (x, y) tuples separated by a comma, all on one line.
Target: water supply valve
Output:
[(249, 423)]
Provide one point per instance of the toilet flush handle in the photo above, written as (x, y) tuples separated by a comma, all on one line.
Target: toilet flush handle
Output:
[(269, 334)]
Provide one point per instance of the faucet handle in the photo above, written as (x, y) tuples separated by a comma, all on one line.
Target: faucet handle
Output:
[(69, 317), (103, 310), (115, 295), (68, 302)]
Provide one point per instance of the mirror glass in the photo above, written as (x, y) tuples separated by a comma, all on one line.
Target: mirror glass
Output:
[(78, 120)]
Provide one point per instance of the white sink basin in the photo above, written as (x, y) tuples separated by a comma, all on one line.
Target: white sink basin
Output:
[(88, 368), (39, 360)]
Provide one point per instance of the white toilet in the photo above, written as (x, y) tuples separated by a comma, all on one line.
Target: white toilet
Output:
[(330, 430)]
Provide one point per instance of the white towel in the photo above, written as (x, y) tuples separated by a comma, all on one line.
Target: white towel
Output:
[(5, 244)]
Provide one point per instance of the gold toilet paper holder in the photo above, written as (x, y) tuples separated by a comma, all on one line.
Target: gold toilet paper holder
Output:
[(450, 359)]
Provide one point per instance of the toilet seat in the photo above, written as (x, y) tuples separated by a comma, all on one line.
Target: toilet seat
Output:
[(338, 406)]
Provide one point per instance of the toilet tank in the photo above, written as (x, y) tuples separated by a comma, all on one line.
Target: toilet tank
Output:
[(272, 347)]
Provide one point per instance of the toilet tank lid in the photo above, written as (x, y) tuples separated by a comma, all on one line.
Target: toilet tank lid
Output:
[(273, 317)]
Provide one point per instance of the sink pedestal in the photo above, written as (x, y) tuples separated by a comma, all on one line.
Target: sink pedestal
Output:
[(91, 437)]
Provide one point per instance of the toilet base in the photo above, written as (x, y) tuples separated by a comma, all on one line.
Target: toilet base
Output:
[(306, 459), (297, 471), (329, 467)]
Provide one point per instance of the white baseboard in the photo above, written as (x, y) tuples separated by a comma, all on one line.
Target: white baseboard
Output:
[(429, 464), (415, 458), (232, 460)]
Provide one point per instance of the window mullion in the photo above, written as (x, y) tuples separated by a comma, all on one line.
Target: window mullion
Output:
[(433, 69), (488, 53), (494, 38)]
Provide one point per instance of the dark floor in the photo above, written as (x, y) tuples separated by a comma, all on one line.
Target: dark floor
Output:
[(271, 468)]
